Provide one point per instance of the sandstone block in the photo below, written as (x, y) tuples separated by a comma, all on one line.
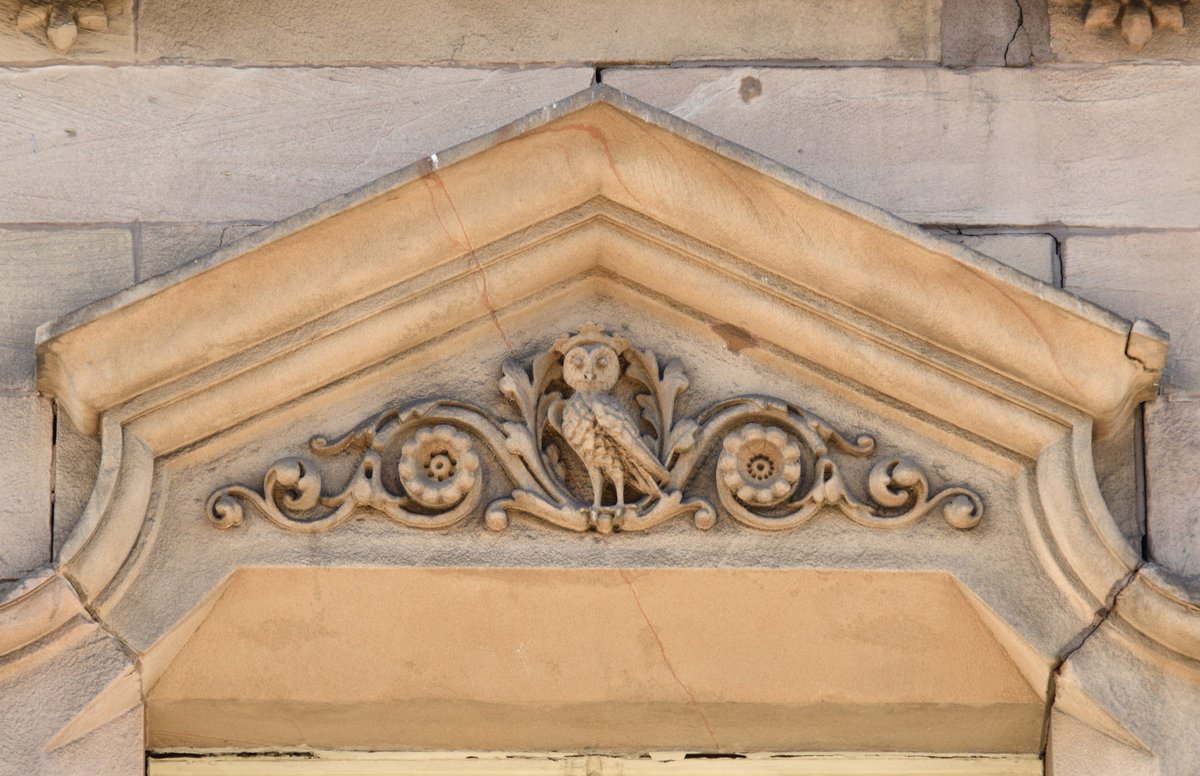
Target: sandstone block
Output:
[(1114, 147), (1071, 41), (166, 246), (28, 38), (538, 31), (26, 469), (49, 686), (985, 32), (1172, 475), (1033, 254), (1148, 275), (45, 273), (235, 144)]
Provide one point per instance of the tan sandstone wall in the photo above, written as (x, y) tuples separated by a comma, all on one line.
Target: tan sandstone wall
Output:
[(1002, 123)]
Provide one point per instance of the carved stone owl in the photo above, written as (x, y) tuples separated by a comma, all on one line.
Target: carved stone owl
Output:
[(600, 431)]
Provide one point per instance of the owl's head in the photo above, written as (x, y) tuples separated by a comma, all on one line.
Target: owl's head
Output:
[(591, 367)]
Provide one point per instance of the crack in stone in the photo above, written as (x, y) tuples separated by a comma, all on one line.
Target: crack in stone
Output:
[(1016, 31), (662, 649), (1075, 644), (472, 258)]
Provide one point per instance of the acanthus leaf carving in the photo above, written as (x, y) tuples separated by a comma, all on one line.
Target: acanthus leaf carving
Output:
[(597, 447)]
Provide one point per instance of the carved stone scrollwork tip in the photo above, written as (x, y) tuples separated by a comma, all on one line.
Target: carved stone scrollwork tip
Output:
[(1137, 20), (597, 447), (61, 20)]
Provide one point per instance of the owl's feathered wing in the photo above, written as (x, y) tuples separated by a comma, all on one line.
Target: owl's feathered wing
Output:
[(623, 433)]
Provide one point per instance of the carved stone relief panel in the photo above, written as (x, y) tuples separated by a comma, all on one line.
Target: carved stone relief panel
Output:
[(597, 422), (774, 372)]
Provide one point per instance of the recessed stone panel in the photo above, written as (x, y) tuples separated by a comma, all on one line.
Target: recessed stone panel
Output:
[(574, 660)]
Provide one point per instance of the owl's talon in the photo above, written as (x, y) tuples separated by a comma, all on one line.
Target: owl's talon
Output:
[(601, 521)]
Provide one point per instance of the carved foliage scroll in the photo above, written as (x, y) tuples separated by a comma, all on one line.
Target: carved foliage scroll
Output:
[(598, 447)]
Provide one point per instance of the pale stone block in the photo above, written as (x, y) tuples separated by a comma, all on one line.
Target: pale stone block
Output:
[(32, 45), (166, 246), (1145, 275), (1112, 147), (986, 32), (1033, 254), (1173, 479), (1075, 749), (1072, 42), (25, 480), (46, 686), (45, 273), (539, 31), (236, 144), (1141, 703)]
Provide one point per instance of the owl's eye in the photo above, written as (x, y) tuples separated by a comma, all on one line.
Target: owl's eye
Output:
[(577, 361), (602, 361)]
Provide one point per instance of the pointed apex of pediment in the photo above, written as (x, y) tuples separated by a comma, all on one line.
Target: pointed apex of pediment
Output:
[(602, 184)]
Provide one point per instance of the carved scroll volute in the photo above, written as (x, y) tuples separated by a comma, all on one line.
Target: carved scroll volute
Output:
[(598, 446)]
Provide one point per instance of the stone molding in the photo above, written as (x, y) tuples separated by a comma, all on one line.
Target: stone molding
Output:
[(604, 195)]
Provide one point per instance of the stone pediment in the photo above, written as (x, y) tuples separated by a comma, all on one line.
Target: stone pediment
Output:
[(600, 340)]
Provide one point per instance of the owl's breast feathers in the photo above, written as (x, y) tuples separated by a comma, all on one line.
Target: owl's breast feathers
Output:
[(597, 427)]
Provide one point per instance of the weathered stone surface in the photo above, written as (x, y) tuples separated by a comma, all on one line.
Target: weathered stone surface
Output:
[(538, 31), (987, 32), (45, 273), (992, 146), (32, 47), (1071, 42), (46, 686), (1033, 254), (226, 144), (25, 478), (1148, 693), (76, 463), (165, 246), (1076, 749), (420, 660), (1148, 275), (1172, 481)]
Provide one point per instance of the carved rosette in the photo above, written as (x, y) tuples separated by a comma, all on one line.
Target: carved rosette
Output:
[(597, 448), (438, 466), (760, 466)]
